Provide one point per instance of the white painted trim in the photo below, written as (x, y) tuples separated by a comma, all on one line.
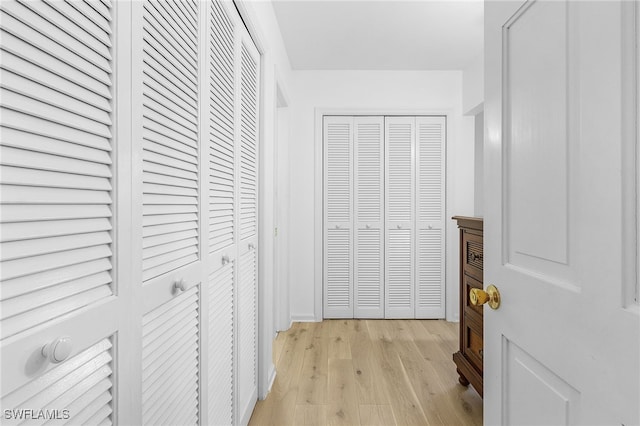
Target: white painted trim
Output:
[(246, 412), (248, 17), (451, 274), (123, 396), (281, 305), (475, 110), (304, 318)]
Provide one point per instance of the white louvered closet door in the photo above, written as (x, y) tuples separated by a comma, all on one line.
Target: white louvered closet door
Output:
[(368, 142), (57, 209), (248, 152), (170, 189), (430, 255), (338, 217), (399, 216), (222, 210)]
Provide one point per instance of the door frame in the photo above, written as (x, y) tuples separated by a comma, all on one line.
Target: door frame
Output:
[(451, 259), (282, 310)]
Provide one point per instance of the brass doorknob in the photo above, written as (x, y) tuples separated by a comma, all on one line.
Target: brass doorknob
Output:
[(480, 297)]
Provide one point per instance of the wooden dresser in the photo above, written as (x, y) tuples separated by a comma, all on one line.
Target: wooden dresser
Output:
[(469, 358)]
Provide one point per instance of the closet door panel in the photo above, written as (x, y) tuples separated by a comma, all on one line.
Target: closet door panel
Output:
[(223, 159), (171, 186), (170, 361), (399, 216), (56, 244), (338, 217), (170, 149), (430, 258), (248, 172), (221, 344), (368, 179)]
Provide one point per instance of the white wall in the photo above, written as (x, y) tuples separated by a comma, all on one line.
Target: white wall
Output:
[(473, 87), (276, 70), (392, 91)]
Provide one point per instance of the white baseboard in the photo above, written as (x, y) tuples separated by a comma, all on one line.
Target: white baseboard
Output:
[(304, 318), (272, 378), (245, 414)]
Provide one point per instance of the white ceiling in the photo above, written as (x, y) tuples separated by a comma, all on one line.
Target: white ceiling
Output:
[(381, 34)]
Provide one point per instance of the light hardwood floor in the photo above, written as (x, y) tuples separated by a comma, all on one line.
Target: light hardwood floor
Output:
[(368, 372)]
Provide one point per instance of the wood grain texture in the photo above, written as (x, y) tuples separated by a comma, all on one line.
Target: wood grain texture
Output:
[(368, 372)]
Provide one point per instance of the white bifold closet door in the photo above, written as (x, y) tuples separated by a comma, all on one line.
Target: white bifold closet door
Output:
[(56, 168), (338, 217), (129, 172), (430, 230), (354, 207), (247, 207), (199, 180), (415, 207), (234, 67), (400, 216), (222, 213), (368, 151), (384, 217), (171, 211)]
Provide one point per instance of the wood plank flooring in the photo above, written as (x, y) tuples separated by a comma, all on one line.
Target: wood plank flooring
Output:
[(368, 372)]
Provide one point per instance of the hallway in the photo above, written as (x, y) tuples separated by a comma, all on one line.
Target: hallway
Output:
[(369, 372)]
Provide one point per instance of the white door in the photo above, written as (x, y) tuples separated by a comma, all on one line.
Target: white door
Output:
[(559, 242), (430, 230), (248, 151), (368, 250), (59, 270), (399, 217), (170, 194), (338, 217), (223, 210)]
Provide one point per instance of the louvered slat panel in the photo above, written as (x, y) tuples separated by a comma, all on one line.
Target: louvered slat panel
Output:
[(79, 389), (369, 284), (170, 139), (399, 194), (430, 279), (430, 286), (221, 353), (246, 328), (369, 171), (399, 216), (338, 138), (170, 360), (222, 209), (399, 285), (338, 172), (248, 144), (338, 262), (430, 169), (55, 163), (368, 165)]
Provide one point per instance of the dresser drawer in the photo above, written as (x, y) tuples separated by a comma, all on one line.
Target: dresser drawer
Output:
[(472, 255), (472, 344)]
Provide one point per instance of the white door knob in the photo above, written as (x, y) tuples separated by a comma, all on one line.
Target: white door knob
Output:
[(368, 226), (58, 350), (399, 226), (430, 227), (180, 285), (251, 246), (225, 259)]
